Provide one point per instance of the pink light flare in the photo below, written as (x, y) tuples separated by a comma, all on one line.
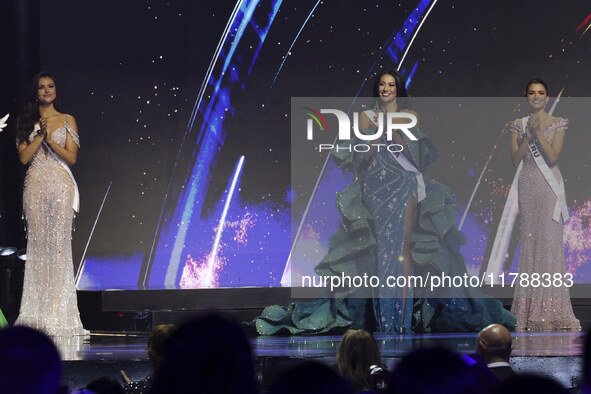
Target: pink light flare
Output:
[(204, 272), (198, 274), (577, 238), (240, 227)]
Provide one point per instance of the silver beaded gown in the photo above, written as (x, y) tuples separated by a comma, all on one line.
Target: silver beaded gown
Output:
[(49, 294), (536, 306)]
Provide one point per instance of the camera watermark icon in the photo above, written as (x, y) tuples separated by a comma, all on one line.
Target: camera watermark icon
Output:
[(386, 124)]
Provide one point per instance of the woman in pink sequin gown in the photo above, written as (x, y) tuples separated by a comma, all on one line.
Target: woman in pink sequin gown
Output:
[(48, 141), (536, 306)]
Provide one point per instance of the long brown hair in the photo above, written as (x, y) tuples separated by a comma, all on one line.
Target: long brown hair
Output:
[(29, 114), (358, 351), (157, 343)]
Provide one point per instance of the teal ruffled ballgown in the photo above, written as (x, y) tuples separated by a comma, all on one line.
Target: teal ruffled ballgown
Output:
[(371, 240)]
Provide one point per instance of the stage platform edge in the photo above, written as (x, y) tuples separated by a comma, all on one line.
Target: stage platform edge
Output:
[(139, 310)]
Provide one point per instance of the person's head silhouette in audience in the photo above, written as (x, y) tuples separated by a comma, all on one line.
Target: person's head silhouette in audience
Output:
[(156, 349), (494, 346), (105, 385), (433, 371), (29, 362), (207, 354), (358, 352), (310, 377), (157, 343)]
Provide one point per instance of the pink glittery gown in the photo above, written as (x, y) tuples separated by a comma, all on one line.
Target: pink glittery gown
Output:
[(49, 294), (539, 308)]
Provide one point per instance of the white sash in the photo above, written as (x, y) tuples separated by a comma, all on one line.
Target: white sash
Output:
[(511, 208), (404, 162), (76, 202)]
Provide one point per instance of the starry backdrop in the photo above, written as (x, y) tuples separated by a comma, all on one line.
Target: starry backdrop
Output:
[(168, 97)]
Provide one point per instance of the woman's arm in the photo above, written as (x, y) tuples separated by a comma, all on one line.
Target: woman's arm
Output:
[(518, 151), (551, 151), (399, 140), (70, 152), (27, 151)]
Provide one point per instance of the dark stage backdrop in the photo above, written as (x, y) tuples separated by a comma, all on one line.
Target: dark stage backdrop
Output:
[(169, 96)]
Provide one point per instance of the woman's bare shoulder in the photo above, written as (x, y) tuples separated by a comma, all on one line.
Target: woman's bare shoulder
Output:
[(556, 122)]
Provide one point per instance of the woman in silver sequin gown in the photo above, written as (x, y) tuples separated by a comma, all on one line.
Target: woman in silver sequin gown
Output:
[(48, 141), (538, 307)]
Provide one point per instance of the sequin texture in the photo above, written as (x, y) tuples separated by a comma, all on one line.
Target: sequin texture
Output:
[(536, 307), (49, 294)]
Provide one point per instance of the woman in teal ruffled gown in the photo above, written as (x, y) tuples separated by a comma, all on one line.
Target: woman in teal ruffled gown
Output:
[(395, 222)]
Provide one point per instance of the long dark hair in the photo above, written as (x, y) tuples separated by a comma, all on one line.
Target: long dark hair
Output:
[(357, 352), (536, 80), (400, 87), (29, 114)]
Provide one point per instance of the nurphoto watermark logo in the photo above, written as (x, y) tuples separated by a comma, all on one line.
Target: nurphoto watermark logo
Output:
[(386, 123)]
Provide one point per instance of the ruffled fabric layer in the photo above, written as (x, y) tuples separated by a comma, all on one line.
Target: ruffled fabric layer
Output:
[(436, 249)]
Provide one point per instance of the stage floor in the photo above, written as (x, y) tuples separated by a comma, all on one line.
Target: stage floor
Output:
[(115, 347)]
